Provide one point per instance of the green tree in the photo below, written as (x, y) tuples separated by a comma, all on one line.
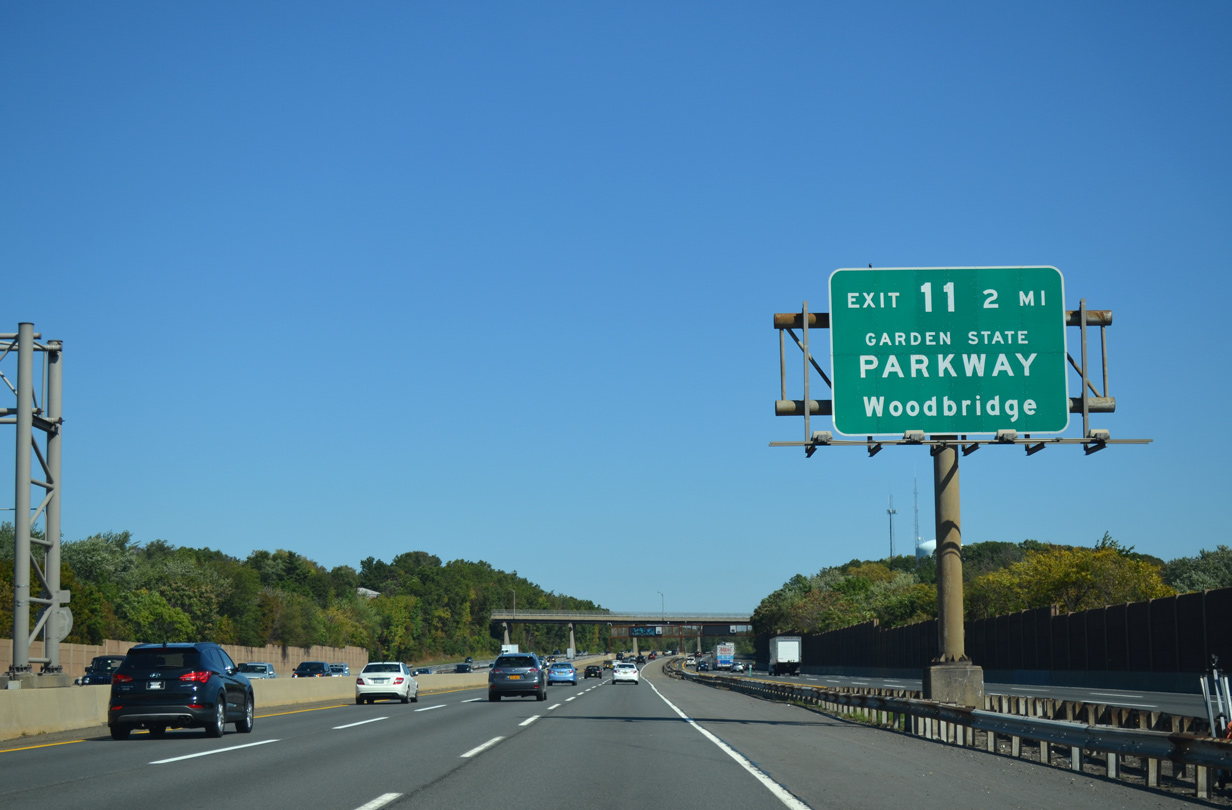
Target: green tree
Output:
[(1210, 569), (1072, 578)]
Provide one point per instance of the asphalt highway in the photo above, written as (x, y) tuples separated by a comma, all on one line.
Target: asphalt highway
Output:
[(666, 742)]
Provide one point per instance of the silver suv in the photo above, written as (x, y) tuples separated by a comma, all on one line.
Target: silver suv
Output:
[(254, 671), (520, 674)]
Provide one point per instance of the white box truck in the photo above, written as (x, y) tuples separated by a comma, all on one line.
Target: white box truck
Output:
[(724, 655), (509, 649), (785, 655)]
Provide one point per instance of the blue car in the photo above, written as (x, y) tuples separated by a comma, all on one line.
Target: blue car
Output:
[(562, 673)]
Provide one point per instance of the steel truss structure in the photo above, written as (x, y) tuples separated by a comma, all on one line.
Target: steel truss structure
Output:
[(54, 619)]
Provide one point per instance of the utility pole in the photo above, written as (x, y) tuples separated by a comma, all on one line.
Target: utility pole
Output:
[(891, 512)]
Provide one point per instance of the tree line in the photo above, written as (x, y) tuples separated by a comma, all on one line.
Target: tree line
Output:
[(998, 578), (425, 609)]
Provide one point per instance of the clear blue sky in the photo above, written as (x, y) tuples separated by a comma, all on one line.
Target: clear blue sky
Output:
[(495, 281)]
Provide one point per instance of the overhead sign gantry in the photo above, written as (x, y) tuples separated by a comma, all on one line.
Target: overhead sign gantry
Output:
[(952, 358)]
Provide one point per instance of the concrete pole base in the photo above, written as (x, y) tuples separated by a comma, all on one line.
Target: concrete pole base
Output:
[(959, 683), (30, 680)]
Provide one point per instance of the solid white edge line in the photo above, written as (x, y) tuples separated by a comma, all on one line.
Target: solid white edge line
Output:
[(379, 801), (430, 708), (779, 792), (481, 748), (215, 751), (530, 720), (360, 723)]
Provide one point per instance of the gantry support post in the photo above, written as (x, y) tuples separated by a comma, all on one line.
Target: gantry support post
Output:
[(951, 678)]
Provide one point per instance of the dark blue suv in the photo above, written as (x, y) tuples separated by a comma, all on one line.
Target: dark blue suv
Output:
[(161, 686)]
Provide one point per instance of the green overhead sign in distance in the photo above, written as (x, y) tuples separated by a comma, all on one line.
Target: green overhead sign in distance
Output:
[(948, 350)]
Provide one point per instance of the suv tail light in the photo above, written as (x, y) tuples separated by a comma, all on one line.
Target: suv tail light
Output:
[(197, 677), (118, 678)]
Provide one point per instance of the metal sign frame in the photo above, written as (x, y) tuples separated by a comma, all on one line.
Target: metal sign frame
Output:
[(1091, 400)]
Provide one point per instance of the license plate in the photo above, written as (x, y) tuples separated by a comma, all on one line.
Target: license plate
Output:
[(515, 677), (380, 680), (155, 685)]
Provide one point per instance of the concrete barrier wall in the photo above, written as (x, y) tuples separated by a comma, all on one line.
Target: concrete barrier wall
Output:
[(26, 712)]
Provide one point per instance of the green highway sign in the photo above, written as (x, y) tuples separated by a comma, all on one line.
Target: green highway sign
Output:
[(948, 350)]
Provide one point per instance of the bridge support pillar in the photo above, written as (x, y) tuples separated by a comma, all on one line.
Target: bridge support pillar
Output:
[(635, 647), (572, 641), (505, 627)]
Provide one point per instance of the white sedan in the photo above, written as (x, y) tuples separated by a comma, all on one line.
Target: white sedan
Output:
[(386, 680), (626, 672)]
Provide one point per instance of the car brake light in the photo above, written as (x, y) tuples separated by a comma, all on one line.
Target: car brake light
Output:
[(496, 672), (398, 680), (197, 677), (196, 705), (117, 678), (359, 681)]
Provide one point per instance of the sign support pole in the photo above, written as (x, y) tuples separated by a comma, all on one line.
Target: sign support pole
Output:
[(951, 678)]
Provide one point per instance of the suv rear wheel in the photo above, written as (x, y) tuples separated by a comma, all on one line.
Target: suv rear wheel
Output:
[(244, 726), (218, 726)]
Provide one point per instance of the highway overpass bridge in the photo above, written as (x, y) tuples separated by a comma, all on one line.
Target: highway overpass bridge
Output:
[(636, 625)]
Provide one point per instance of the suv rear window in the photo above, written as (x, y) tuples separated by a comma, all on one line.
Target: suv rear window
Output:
[(161, 659), (515, 662)]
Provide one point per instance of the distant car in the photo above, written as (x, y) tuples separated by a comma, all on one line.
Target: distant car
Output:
[(520, 674), (311, 669), (737, 667), (386, 680), (651, 657), (339, 670), (625, 672), (460, 668), (562, 673), (161, 686), (422, 671), (607, 664), (593, 671), (100, 670), (641, 659), (258, 671), (470, 660), (703, 666), (690, 661)]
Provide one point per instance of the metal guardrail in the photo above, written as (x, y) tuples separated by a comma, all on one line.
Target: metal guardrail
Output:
[(956, 724)]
